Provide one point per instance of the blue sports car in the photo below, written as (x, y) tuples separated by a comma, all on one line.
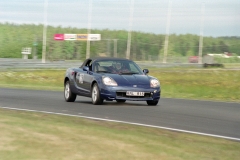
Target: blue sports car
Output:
[(107, 78)]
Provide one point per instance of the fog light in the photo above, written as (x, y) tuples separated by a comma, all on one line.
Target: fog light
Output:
[(155, 91)]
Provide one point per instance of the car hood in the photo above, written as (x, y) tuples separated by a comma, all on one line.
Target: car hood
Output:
[(129, 80)]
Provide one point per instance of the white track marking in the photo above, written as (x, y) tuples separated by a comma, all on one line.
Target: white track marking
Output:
[(139, 124)]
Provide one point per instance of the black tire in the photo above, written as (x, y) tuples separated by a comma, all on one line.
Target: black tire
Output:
[(96, 99), (68, 94), (152, 103), (121, 100)]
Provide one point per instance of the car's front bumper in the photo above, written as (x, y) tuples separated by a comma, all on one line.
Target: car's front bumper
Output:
[(119, 93)]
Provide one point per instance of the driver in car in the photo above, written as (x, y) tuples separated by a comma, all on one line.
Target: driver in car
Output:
[(118, 67)]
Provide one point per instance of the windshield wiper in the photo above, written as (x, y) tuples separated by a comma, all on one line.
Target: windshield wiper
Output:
[(103, 72), (128, 73)]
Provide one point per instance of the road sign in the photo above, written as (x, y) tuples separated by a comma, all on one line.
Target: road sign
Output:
[(59, 37), (82, 37), (70, 37), (79, 37), (94, 37)]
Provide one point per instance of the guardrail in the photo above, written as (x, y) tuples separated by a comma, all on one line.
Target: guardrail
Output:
[(6, 63)]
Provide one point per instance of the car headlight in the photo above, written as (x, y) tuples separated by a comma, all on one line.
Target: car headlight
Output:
[(109, 81), (154, 83)]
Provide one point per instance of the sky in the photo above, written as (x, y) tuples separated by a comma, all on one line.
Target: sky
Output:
[(209, 18)]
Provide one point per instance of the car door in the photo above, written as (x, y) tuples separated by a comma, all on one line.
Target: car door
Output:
[(80, 76), (84, 78), (87, 78)]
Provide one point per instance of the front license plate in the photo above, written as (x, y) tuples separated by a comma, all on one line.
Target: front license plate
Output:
[(130, 93)]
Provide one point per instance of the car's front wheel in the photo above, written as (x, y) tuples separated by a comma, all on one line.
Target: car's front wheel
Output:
[(96, 99), (152, 103), (68, 94)]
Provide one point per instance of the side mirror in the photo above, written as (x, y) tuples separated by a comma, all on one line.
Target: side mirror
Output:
[(86, 68), (145, 71)]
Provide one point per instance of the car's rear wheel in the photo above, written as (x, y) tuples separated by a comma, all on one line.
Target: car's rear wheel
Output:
[(121, 100), (152, 103), (68, 94), (96, 99)]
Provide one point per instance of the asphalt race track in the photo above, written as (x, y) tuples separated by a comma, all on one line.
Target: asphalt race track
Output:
[(219, 119)]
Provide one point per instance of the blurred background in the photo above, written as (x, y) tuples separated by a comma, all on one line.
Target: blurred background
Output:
[(186, 31)]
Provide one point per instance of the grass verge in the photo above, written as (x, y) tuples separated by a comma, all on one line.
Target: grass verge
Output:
[(30, 135)]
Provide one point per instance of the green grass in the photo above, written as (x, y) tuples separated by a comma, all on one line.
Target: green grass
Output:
[(213, 84), (34, 136), (33, 79)]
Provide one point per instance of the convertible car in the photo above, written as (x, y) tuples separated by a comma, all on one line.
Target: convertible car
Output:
[(107, 78)]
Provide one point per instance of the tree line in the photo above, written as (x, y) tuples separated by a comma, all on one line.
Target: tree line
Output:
[(144, 46)]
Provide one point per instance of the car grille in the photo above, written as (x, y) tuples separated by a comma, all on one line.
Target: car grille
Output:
[(122, 94)]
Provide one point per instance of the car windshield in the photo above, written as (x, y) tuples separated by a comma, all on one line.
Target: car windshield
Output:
[(123, 67)]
